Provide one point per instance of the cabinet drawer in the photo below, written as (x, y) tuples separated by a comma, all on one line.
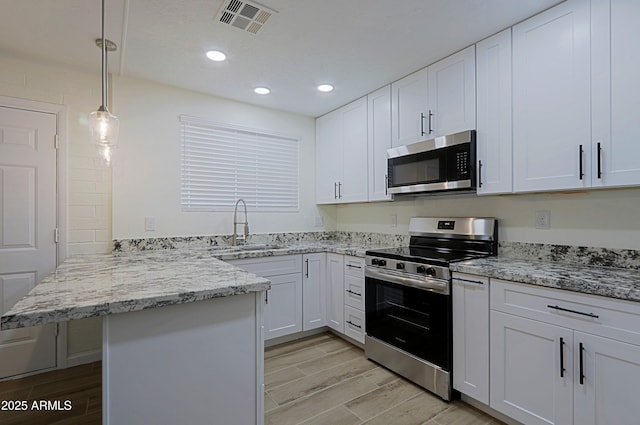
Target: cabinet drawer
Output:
[(353, 266), (271, 266), (354, 323), (354, 292), (608, 317)]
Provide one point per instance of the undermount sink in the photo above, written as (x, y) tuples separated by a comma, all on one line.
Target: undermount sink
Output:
[(257, 247)]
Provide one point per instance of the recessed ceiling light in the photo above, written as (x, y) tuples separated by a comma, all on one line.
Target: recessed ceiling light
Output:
[(216, 55), (262, 90), (325, 88)]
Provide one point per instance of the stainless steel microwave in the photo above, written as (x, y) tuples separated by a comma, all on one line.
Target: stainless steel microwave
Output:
[(445, 163)]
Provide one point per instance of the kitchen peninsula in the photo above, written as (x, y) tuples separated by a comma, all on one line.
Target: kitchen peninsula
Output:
[(182, 333)]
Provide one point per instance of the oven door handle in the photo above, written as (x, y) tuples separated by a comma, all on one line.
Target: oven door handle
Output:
[(436, 285)]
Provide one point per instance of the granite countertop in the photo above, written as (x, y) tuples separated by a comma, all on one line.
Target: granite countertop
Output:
[(97, 285), (604, 281)]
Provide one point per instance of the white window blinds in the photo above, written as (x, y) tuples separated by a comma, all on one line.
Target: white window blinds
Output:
[(223, 163)]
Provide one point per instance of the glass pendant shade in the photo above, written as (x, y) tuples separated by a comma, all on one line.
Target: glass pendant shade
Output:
[(104, 128)]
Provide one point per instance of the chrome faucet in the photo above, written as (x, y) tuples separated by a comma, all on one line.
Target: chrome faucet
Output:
[(234, 239)]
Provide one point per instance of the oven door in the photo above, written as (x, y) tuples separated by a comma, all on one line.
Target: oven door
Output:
[(414, 319)]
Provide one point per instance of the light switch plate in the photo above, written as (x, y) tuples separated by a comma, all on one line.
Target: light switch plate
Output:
[(149, 224)]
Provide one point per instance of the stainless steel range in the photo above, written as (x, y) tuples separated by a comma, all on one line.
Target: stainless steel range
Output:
[(408, 297)]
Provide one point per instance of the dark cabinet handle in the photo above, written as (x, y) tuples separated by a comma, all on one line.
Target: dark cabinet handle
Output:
[(477, 282), (266, 297), (581, 364), (562, 358), (430, 115), (422, 117), (339, 190), (581, 154), (599, 160), (335, 190), (354, 267), (353, 324), (354, 293), (386, 184), (480, 173), (555, 307), (307, 263)]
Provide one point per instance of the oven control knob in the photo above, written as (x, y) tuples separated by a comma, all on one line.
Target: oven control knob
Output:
[(382, 262), (400, 266), (431, 271), (375, 262), (421, 269)]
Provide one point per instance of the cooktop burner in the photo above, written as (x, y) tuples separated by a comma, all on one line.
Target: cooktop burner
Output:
[(437, 256)]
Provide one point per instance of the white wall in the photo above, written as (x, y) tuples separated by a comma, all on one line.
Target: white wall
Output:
[(146, 166), (597, 218)]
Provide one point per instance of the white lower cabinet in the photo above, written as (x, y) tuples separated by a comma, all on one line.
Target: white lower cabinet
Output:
[(314, 298), (335, 292), (471, 336), (283, 302), (563, 358), (354, 318)]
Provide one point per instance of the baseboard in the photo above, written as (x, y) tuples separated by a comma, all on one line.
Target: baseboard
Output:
[(488, 410), (83, 357)]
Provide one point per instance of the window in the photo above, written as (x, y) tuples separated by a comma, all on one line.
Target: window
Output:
[(223, 163)]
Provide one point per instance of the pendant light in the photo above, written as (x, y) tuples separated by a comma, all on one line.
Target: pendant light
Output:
[(104, 125)]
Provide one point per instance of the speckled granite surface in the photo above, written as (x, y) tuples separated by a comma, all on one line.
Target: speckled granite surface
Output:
[(97, 285), (605, 281)]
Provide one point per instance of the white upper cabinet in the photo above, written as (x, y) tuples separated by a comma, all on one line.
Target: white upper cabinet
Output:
[(437, 100), (551, 99), (452, 94), (408, 108), (493, 137), (341, 155), (615, 92), (328, 156), (379, 138)]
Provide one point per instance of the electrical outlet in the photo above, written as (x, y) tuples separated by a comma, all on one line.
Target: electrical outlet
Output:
[(149, 224), (319, 222), (543, 220), (394, 220)]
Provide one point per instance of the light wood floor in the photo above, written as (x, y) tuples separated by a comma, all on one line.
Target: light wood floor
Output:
[(320, 380), (323, 380)]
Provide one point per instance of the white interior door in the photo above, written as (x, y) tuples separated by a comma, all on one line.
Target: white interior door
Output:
[(28, 217)]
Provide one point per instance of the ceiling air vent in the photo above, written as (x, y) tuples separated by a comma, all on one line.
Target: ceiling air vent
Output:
[(247, 16)]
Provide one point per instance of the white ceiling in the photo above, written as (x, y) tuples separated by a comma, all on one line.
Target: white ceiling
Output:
[(356, 45)]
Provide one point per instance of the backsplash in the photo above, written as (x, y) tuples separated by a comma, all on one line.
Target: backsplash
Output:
[(567, 254), (579, 255)]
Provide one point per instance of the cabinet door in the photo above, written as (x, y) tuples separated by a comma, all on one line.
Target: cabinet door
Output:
[(452, 94), (615, 85), (471, 336), (529, 382), (379, 138), (328, 157), (551, 99), (283, 306), (493, 138), (314, 297), (353, 185), (409, 109), (608, 393), (335, 292)]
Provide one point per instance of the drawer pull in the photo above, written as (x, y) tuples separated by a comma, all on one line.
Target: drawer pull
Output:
[(354, 267), (477, 282), (562, 370), (353, 324), (555, 307), (354, 293), (581, 364)]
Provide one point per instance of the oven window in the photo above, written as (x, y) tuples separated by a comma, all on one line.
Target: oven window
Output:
[(416, 172), (414, 320)]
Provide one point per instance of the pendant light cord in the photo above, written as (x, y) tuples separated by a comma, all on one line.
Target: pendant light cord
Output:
[(104, 64)]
